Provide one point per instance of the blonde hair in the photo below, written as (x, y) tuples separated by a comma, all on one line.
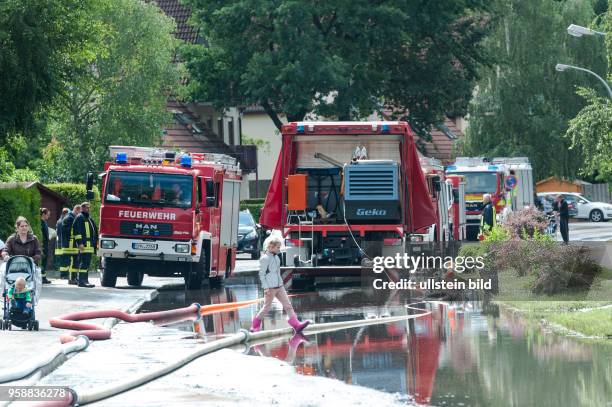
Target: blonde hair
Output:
[(18, 222), (20, 280), (272, 241)]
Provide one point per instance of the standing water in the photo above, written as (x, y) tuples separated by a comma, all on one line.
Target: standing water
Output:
[(461, 354)]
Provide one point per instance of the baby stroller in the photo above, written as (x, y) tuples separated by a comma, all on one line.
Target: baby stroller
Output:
[(15, 267)]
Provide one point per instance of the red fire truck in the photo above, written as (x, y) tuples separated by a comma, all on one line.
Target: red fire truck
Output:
[(343, 192), (168, 214)]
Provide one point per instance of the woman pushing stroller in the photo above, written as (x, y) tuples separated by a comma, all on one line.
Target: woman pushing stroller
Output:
[(23, 242), (272, 283)]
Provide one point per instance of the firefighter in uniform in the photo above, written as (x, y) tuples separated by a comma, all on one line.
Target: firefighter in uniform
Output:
[(59, 251), (70, 251), (85, 239), (487, 217)]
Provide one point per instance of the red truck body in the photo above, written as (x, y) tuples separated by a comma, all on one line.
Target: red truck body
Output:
[(365, 212), (166, 214)]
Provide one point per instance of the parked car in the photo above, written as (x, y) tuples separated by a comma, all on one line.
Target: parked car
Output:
[(248, 235), (582, 208)]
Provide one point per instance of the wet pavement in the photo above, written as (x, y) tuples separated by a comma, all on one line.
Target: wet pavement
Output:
[(462, 354)]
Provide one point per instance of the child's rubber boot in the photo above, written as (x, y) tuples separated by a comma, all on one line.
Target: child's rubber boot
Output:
[(297, 325), (256, 325)]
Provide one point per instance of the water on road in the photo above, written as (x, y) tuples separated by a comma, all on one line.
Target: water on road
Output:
[(462, 354)]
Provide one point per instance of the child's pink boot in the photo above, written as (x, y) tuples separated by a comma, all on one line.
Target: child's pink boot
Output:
[(256, 325), (297, 325)]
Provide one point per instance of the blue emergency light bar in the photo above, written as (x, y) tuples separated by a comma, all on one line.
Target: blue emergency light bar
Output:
[(385, 128), (186, 161), (492, 168), (451, 168), (300, 128), (121, 158)]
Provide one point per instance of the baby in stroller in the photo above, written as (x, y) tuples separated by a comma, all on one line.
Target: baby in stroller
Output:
[(20, 283)]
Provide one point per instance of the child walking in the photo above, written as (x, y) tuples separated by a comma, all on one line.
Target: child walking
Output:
[(272, 282)]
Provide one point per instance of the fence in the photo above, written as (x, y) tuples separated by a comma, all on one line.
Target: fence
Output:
[(598, 192)]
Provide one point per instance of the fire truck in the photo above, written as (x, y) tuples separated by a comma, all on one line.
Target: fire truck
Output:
[(493, 176), (343, 192), (165, 213)]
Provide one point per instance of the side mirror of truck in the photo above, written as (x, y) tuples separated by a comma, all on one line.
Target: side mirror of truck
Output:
[(436, 184), (210, 201), (210, 193), (89, 186)]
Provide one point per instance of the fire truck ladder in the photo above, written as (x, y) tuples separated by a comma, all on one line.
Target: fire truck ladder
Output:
[(305, 233)]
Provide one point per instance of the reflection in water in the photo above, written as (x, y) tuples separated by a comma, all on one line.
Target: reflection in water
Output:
[(466, 354)]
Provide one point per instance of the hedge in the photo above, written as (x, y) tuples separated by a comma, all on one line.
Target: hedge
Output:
[(255, 209), (16, 202), (76, 195)]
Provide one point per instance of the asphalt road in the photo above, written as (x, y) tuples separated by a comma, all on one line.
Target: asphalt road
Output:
[(589, 231)]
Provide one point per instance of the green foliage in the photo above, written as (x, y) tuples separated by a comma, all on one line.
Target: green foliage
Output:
[(116, 92), (36, 38), (473, 251), (8, 172), (336, 58), (16, 202), (591, 132), (77, 194), (254, 206), (522, 105)]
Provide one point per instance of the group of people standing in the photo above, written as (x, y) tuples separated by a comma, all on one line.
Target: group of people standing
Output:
[(75, 244)]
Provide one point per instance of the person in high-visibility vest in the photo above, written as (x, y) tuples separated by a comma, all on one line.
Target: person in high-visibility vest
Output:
[(487, 217), (70, 251), (62, 259), (85, 236)]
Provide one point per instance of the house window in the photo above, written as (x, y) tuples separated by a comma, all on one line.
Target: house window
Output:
[(230, 131), (220, 128)]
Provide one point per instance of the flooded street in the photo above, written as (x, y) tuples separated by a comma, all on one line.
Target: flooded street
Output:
[(462, 354)]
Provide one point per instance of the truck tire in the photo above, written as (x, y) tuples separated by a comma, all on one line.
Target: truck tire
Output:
[(135, 277), (109, 274), (195, 274), (217, 282)]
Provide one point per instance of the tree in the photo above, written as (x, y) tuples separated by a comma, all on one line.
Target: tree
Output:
[(522, 105), (591, 130), (343, 59), (35, 39), (117, 93)]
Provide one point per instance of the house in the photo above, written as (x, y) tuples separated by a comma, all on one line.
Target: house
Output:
[(197, 126)]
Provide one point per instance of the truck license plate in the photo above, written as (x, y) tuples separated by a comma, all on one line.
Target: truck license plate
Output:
[(144, 246)]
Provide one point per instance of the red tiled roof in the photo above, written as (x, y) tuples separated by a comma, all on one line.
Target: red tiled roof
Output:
[(181, 14), (179, 135), (442, 146)]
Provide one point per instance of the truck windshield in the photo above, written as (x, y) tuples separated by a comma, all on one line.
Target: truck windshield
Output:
[(146, 189), (480, 182)]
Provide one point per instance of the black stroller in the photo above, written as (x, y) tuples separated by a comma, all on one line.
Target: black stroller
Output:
[(10, 271)]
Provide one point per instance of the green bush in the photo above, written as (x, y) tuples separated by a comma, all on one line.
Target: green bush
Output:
[(253, 201), (16, 202), (255, 209), (77, 194), (473, 251)]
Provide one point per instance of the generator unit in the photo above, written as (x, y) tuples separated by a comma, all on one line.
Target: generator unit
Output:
[(371, 192)]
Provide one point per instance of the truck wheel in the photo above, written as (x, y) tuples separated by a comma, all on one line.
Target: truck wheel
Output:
[(109, 274), (195, 274), (134, 278)]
